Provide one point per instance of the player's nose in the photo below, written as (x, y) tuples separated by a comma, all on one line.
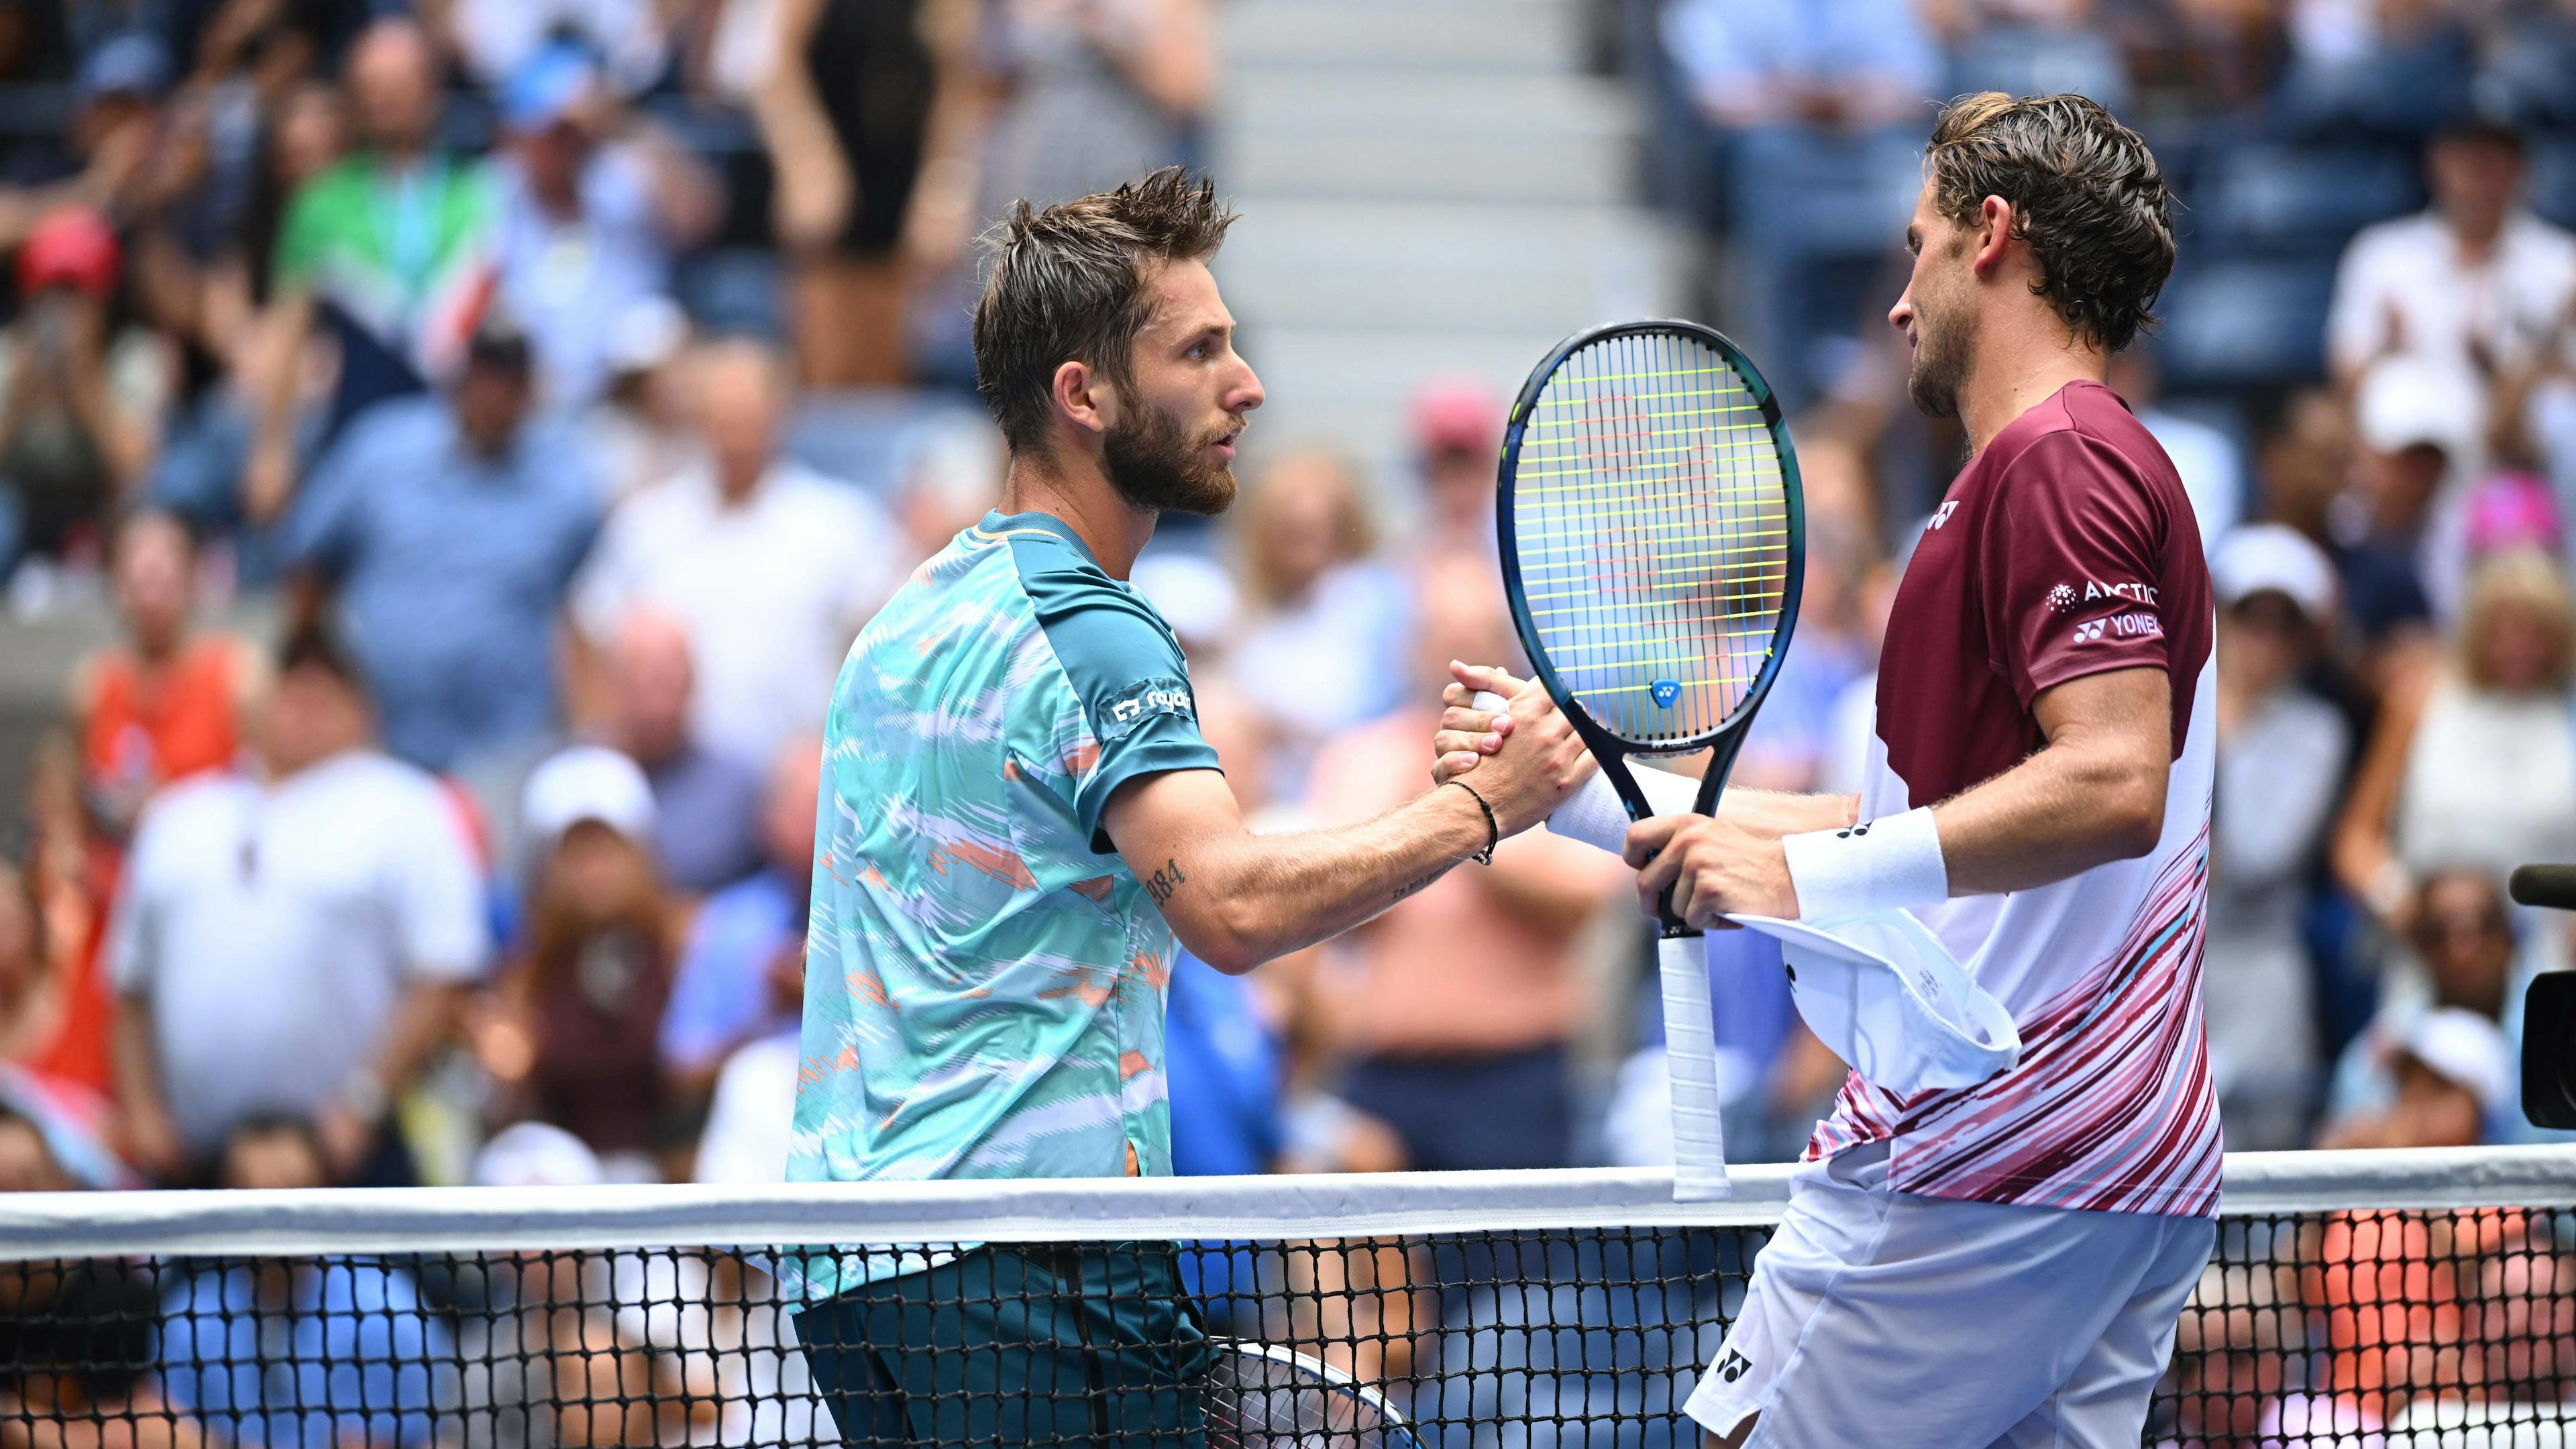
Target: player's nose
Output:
[(1246, 393), (1901, 316)]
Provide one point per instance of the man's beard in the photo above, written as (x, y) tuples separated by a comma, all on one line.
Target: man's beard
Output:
[(1940, 366), (1154, 465)]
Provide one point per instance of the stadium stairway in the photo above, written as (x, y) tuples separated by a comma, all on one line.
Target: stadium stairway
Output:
[(1435, 187)]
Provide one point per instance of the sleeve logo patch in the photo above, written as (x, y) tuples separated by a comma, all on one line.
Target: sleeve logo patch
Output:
[(1158, 696)]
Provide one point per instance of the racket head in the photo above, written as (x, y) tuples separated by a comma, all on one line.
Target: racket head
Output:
[(1652, 533), (1269, 1396)]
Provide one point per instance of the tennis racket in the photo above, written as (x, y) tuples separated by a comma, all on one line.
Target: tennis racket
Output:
[(1653, 543), (1265, 1396)]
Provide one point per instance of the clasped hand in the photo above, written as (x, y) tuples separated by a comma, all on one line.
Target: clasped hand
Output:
[(1729, 864)]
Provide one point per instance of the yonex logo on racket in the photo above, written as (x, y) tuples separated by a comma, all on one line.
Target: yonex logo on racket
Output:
[(1664, 692)]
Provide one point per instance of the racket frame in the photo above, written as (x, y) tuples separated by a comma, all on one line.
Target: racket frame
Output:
[(1394, 1432), (1726, 738)]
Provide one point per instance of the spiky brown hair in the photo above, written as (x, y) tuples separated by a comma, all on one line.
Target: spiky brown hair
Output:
[(1069, 284)]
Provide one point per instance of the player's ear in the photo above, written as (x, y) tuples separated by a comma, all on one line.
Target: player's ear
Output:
[(1084, 397), (1994, 229)]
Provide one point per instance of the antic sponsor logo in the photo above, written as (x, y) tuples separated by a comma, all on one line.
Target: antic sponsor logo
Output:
[(2134, 593)]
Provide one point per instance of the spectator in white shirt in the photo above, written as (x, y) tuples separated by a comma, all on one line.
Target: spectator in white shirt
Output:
[(2476, 283), (2281, 757), (296, 936), (771, 566)]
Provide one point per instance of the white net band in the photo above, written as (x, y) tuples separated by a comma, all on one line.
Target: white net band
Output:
[(63, 1225)]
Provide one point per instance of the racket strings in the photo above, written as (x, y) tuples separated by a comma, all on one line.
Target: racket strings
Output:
[(1653, 528)]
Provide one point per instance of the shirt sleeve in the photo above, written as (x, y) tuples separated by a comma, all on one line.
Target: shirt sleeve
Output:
[(603, 584), (322, 526), (2068, 580), (1130, 687), (133, 938), (299, 242), (437, 895), (2357, 318)]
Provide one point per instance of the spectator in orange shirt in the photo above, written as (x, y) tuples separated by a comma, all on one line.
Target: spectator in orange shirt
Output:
[(159, 705), (1465, 995)]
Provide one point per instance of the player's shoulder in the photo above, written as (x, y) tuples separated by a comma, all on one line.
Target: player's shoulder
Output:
[(2084, 435), (1081, 610)]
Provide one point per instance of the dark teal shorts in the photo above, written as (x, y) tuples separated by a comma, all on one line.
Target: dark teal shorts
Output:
[(1019, 1345)]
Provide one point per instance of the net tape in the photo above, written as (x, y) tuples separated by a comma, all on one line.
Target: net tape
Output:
[(2356, 1298)]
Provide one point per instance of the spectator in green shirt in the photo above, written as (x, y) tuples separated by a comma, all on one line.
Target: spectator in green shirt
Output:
[(392, 249)]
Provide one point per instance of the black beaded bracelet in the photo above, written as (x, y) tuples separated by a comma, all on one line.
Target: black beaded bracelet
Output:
[(1493, 831)]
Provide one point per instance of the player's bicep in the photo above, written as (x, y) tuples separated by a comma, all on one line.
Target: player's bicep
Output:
[(2120, 721), (1172, 827)]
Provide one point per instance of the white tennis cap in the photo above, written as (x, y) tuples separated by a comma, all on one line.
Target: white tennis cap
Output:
[(2465, 1049), (587, 782), (2274, 558), (2404, 401), (1891, 1000), (536, 1154)]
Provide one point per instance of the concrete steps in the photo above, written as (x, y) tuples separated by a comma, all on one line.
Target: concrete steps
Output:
[(1428, 188)]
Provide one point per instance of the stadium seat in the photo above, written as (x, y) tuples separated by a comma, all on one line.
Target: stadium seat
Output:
[(2038, 60), (2268, 200), (2243, 322), (2553, 179)]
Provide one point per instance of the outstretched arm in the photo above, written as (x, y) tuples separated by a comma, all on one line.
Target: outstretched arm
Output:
[(1237, 899), (2094, 793)]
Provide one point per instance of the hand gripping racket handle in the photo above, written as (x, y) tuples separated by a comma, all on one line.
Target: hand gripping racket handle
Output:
[(1690, 1056)]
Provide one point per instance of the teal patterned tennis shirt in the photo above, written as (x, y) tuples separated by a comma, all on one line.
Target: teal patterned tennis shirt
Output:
[(984, 976)]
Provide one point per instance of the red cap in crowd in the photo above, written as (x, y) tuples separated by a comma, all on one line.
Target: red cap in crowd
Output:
[(1457, 412), (71, 247)]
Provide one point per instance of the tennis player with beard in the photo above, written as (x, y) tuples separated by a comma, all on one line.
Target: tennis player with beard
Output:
[(1018, 818), (2004, 1263)]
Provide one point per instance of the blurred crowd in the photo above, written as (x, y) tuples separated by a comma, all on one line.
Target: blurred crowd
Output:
[(529, 373), (489, 421)]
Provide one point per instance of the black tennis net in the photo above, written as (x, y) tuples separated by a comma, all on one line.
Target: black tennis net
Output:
[(2355, 1300)]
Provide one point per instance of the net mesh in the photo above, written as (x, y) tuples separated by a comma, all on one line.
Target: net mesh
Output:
[(2320, 1326), (1651, 526)]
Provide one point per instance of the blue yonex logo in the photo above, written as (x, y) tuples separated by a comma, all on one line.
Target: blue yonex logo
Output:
[(1665, 691)]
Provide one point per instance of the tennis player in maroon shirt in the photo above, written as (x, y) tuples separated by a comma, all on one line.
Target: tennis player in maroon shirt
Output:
[(2002, 1263)]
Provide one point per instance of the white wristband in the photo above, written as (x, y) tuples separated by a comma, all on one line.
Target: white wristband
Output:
[(1594, 815), (1891, 863)]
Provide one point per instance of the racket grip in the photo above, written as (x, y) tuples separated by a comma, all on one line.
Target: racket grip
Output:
[(1690, 1055)]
